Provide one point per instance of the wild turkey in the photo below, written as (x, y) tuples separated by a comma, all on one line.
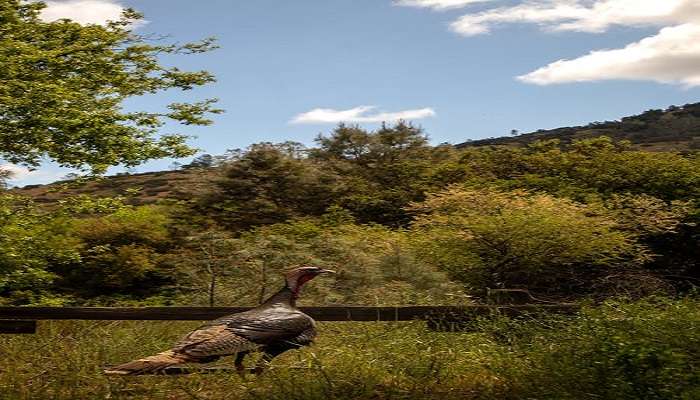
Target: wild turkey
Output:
[(272, 328)]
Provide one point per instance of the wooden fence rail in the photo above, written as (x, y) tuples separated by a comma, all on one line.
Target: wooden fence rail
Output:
[(333, 313), (22, 319)]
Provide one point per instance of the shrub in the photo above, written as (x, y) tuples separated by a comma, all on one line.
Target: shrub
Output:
[(489, 238), (31, 241), (375, 265)]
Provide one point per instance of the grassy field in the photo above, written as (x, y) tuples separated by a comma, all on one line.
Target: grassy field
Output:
[(647, 350)]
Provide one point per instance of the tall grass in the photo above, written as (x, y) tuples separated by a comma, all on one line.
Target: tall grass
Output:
[(644, 350)]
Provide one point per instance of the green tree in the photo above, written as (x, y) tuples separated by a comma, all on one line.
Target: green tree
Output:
[(120, 253), (489, 238), (375, 264), (386, 169), (598, 167), (269, 183), (36, 243), (63, 85)]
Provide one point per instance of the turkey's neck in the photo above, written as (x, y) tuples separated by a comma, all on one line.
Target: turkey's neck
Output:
[(285, 297)]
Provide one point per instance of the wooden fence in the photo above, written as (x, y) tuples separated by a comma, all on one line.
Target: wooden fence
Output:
[(23, 319)]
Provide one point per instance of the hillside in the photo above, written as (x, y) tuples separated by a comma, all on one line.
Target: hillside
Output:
[(676, 128), (151, 186)]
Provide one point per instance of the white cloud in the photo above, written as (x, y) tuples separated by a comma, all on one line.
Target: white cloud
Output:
[(20, 176), (16, 172), (437, 4), (83, 11), (358, 114), (582, 16), (670, 56)]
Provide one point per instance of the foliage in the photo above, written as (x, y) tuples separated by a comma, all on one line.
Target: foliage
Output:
[(83, 248), (643, 350), (648, 216), (587, 168), (210, 268), (30, 242), (4, 176), (389, 143), (63, 84), (120, 253), (268, 184), (386, 169), (488, 238), (375, 265), (592, 218), (201, 161)]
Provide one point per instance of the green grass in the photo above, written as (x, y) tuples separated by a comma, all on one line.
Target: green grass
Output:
[(647, 350)]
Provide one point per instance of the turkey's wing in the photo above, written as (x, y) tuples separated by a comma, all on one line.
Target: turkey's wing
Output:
[(214, 340), (305, 338), (268, 327)]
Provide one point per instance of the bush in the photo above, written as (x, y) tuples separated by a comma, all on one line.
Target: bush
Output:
[(489, 238), (375, 265), (644, 350), (31, 241), (83, 247), (120, 253)]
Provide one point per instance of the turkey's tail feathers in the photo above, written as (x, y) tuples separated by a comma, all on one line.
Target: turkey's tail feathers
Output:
[(149, 365)]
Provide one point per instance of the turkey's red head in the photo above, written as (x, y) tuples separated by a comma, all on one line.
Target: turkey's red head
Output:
[(297, 277)]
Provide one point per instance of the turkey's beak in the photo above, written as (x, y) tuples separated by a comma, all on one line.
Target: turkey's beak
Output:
[(326, 271)]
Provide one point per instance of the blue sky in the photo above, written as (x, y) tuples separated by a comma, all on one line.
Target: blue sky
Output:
[(450, 65)]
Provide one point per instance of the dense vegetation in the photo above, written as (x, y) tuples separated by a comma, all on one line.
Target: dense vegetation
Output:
[(404, 222), (568, 215)]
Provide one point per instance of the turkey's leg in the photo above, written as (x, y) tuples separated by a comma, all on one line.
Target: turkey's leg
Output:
[(267, 356), (240, 368)]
